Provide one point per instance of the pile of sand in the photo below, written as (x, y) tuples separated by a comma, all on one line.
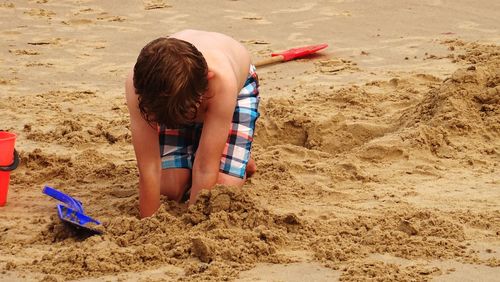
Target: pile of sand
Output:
[(225, 230), (228, 232), (464, 107)]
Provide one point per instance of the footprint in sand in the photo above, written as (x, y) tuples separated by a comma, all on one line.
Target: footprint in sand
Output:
[(20, 52), (98, 13), (110, 18), (39, 64), (40, 13), (8, 81), (54, 41), (7, 5), (78, 22), (239, 15), (383, 153), (155, 4), (85, 11), (333, 66)]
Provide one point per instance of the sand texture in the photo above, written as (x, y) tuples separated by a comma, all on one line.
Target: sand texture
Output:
[(378, 158)]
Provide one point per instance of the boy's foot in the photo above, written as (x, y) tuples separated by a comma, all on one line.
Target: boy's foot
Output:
[(251, 168)]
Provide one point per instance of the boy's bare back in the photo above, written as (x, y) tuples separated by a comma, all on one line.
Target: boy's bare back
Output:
[(220, 51)]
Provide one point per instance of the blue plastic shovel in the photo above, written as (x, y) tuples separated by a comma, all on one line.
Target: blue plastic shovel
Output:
[(72, 212)]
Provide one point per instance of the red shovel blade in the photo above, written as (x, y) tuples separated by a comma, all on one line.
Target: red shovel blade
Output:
[(300, 52)]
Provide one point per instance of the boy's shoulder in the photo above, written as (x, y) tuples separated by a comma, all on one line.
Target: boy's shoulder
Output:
[(225, 56)]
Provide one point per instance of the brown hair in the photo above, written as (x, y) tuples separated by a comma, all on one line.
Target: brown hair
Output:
[(170, 77)]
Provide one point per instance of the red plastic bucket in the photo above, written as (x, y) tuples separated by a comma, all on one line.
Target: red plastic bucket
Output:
[(8, 162)]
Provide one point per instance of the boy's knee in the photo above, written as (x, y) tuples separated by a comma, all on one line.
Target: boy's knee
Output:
[(228, 180), (174, 193), (174, 183)]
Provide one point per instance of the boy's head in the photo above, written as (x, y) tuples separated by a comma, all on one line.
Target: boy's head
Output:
[(170, 77)]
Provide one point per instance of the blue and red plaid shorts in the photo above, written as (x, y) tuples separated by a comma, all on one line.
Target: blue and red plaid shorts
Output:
[(178, 146)]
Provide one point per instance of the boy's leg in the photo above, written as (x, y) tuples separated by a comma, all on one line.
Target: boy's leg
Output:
[(177, 156), (229, 180), (174, 182), (236, 162), (251, 168)]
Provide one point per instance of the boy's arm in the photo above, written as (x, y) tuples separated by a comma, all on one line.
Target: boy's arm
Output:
[(213, 139), (147, 152)]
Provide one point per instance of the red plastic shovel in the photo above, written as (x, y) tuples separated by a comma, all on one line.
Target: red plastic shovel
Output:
[(291, 54)]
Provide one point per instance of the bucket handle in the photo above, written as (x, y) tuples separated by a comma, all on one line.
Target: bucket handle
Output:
[(14, 164)]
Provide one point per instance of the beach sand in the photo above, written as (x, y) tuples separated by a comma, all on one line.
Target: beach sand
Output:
[(378, 158)]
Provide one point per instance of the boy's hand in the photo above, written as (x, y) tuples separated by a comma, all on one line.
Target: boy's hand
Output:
[(147, 152), (216, 127)]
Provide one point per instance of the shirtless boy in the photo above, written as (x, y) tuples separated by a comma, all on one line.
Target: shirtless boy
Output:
[(193, 102)]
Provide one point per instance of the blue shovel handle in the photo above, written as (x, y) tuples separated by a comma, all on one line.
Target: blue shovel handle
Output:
[(60, 196)]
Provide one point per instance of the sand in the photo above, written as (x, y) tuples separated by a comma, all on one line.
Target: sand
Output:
[(378, 158)]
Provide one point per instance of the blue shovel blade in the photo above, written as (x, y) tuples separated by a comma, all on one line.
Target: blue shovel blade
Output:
[(77, 219)]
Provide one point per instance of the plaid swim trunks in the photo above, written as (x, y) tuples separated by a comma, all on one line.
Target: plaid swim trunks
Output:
[(178, 146)]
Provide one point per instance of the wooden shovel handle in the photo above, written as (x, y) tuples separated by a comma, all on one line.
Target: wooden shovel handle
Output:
[(268, 61)]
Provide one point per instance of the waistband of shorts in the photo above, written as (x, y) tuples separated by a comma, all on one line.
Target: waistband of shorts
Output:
[(253, 69), (252, 73)]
